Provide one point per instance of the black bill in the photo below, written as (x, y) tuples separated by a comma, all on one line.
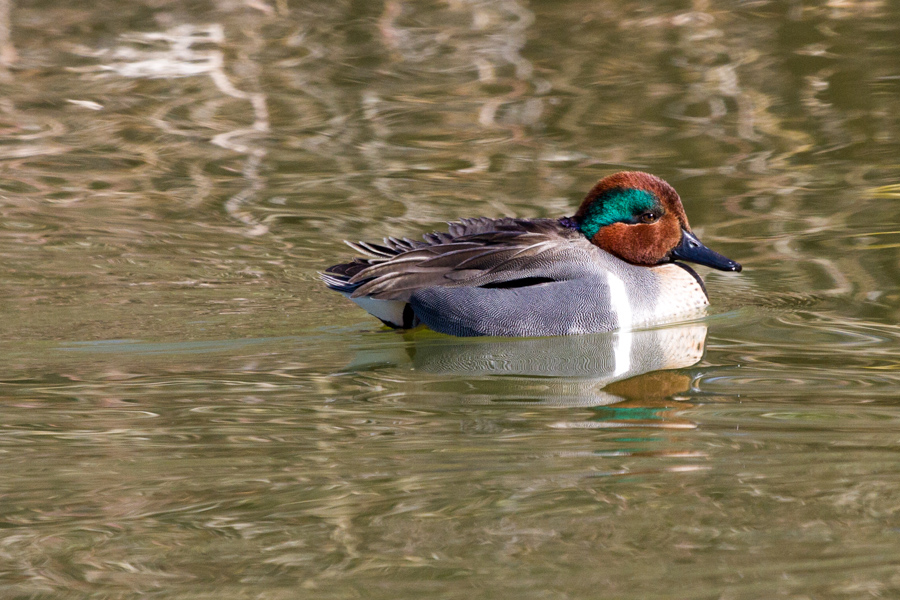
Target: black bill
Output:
[(691, 249)]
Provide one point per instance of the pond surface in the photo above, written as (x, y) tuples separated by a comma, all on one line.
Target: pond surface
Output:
[(186, 412)]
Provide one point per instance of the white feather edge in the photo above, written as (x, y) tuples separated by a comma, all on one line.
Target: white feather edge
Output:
[(389, 311)]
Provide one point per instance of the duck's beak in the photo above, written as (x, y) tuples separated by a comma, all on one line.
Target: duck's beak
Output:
[(693, 250)]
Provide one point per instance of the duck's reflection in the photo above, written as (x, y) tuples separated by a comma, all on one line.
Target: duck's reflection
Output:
[(625, 386), (586, 370)]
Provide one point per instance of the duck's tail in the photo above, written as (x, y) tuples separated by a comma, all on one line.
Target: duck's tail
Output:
[(393, 313)]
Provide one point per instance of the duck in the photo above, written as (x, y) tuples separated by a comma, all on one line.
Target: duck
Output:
[(617, 264)]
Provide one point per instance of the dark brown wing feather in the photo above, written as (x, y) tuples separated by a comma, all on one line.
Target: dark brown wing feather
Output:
[(472, 252)]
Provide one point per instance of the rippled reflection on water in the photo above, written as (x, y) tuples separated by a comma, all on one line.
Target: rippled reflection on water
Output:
[(187, 412)]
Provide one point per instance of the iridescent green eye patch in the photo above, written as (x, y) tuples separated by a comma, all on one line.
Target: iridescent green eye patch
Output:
[(615, 206)]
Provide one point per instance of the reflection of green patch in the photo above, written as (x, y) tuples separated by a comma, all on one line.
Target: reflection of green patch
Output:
[(611, 413), (615, 206)]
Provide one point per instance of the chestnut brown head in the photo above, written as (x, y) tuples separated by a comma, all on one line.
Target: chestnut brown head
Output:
[(639, 218)]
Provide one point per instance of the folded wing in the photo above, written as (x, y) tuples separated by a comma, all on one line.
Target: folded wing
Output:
[(485, 253)]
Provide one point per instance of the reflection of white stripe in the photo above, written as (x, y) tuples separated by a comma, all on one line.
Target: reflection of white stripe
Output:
[(618, 301)]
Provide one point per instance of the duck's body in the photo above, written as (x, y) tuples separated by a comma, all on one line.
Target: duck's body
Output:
[(520, 277)]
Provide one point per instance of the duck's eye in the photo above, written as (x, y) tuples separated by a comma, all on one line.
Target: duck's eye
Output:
[(649, 217)]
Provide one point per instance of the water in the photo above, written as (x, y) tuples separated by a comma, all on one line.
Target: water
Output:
[(188, 413)]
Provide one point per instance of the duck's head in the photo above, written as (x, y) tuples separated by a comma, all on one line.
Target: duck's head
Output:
[(639, 218)]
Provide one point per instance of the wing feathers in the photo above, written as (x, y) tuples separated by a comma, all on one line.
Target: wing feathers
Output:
[(472, 252)]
